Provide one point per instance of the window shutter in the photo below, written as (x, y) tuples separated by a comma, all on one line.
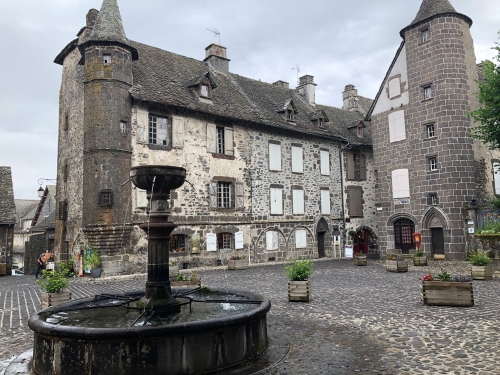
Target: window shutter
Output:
[(399, 126), (211, 242), (238, 240), (297, 160), (141, 198), (300, 239), (276, 201), (362, 167), (228, 142), (213, 194), (350, 166), (211, 138), (325, 163), (298, 202), (274, 157), (392, 130), (400, 184), (325, 202), (272, 240), (394, 87), (355, 204), (177, 132), (496, 174), (240, 195), (142, 126)]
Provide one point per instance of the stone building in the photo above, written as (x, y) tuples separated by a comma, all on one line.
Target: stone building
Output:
[(265, 163), (25, 212), (7, 218), (429, 172)]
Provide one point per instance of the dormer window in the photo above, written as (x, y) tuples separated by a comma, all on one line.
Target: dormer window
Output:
[(289, 115), (321, 122), (203, 85), (205, 90), (359, 131), (107, 59)]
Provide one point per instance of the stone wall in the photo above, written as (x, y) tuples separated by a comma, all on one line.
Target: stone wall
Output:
[(6, 233), (36, 245)]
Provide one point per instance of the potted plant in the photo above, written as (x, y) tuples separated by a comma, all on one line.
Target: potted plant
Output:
[(447, 290), (238, 262), (419, 259), (298, 273), (359, 259), (396, 263), (351, 235), (481, 269), (53, 283), (92, 261), (192, 280), (173, 269)]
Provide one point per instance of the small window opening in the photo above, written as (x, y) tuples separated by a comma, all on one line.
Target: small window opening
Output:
[(66, 123), (289, 115), (105, 198), (224, 241), (177, 243), (360, 131), (433, 164), (425, 35), (205, 91), (220, 140), (107, 59), (123, 127), (431, 131), (321, 122), (427, 92)]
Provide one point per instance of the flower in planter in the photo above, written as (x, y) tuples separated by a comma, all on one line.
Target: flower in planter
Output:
[(427, 277), (419, 253), (394, 257)]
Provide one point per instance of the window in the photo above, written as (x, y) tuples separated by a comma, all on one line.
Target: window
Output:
[(66, 123), (427, 92), (106, 198), (403, 230), (433, 164), (272, 242), (325, 162), (177, 243), (204, 90), (354, 201), (356, 166), (297, 159), (107, 59), (394, 87), (431, 132), (300, 239), (400, 184), (226, 194), (432, 199), (359, 131), (158, 130), (496, 177), (224, 241), (298, 202), (397, 131), (141, 198), (123, 127), (325, 202), (274, 157), (220, 140), (425, 35), (321, 122), (63, 210), (290, 115), (65, 173), (276, 201)]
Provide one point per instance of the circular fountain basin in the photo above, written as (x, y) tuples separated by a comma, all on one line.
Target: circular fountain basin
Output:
[(184, 347), (160, 178)]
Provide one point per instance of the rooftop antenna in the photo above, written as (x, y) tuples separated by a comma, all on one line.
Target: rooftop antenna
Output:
[(298, 71), (216, 33)]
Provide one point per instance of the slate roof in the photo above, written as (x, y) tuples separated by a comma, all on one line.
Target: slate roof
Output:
[(47, 204), (25, 209), (48, 222), (109, 26), (7, 205)]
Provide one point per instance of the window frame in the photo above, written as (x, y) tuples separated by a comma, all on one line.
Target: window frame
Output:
[(428, 130), (173, 240), (224, 195), (153, 125), (428, 92), (432, 162), (106, 198), (224, 238), (425, 35), (106, 59)]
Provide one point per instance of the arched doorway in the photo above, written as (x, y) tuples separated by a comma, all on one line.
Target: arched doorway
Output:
[(437, 237), (321, 229), (403, 229), (362, 240)]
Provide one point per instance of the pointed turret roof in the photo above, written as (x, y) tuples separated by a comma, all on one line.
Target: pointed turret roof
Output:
[(109, 26)]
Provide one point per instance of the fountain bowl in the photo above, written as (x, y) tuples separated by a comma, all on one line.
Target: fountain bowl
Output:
[(165, 177)]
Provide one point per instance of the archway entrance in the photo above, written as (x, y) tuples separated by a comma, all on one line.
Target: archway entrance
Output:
[(403, 230), (362, 240), (321, 229), (437, 237)]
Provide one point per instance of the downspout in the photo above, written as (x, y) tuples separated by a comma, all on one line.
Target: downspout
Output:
[(348, 145), (6, 242)]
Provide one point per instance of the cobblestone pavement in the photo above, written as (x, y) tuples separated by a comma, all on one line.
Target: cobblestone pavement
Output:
[(361, 319)]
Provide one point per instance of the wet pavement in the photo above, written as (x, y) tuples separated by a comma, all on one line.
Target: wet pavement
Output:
[(360, 320)]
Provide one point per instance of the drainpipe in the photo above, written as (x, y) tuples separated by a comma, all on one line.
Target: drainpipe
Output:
[(346, 146), (6, 243)]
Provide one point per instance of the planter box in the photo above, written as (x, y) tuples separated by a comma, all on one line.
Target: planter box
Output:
[(173, 271), (299, 291), (360, 261), (3, 269), (237, 264), (445, 293), (482, 272), (420, 261), (52, 299), (179, 284), (396, 265)]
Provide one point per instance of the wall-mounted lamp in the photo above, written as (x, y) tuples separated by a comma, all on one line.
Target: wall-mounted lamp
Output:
[(473, 203), (40, 192)]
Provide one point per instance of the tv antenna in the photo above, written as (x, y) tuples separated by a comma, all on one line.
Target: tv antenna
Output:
[(216, 33), (298, 71)]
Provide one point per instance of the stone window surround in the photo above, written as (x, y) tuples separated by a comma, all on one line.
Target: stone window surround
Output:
[(423, 87), (232, 181), (401, 90), (421, 32), (430, 199)]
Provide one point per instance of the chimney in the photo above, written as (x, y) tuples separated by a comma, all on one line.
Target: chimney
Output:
[(216, 56), (282, 84), (307, 88), (92, 17), (351, 100)]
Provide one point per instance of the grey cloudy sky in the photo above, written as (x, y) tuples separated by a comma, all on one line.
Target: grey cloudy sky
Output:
[(338, 42)]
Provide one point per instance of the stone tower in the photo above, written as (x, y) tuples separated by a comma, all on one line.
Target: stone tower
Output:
[(423, 154)]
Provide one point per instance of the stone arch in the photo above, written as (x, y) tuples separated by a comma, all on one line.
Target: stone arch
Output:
[(300, 227), (322, 225), (402, 215), (435, 212), (274, 229)]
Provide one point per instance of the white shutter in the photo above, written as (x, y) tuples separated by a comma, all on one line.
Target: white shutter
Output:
[(297, 160), (240, 195), (272, 240), (228, 142), (274, 157), (211, 242), (300, 239), (399, 125), (394, 87), (400, 183), (238, 240), (325, 163), (392, 130), (212, 191), (141, 198), (276, 201), (496, 174), (298, 202), (177, 132), (325, 202), (142, 126), (211, 138)]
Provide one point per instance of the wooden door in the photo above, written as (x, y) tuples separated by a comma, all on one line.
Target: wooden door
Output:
[(403, 230), (437, 241), (321, 244)]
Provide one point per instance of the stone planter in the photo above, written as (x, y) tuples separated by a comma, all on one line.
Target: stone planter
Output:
[(360, 260), (184, 283), (52, 299), (173, 271), (482, 272), (420, 261), (445, 293), (396, 266), (299, 291), (237, 264)]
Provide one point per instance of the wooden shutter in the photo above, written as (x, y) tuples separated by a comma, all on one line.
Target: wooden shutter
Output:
[(325, 202), (228, 142), (298, 202), (276, 201), (240, 195), (400, 183), (272, 242), (496, 174), (274, 157), (212, 191), (350, 165), (362, 167), (211, 242), (177, 132), (238, 240), (325, 163), (297, 160), (300, 239), (355, 203), (394, 87), (397, 131), (142, 126), (141, 198), (211, 138)]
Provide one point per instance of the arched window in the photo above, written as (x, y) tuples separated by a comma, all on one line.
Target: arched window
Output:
[(403, 230)]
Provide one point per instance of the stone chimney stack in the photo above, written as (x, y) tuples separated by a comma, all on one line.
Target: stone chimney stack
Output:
[(216, 56), (92, 17), (350, 96), (307, 88), (282, 84)]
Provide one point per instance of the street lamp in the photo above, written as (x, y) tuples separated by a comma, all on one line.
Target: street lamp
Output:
[(41, 190), (417, 239)]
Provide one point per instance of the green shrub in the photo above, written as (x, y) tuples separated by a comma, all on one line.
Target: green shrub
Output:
[(52, 281), (91, 258), (495, 201), (67, 268), (479, 258), (490, 228), (299, 270)]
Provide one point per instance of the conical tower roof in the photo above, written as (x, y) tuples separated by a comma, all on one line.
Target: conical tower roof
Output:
[(109, 26)]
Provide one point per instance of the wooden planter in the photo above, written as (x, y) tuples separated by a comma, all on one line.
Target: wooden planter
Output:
[(360, 260), (445, 293), (3, 269), (482, 272), (420, 261), (299, 291), (52, 299), (179, 284), (237, 264), (396, 266), (173, 271)]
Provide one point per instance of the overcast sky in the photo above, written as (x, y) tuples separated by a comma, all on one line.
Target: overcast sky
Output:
[(338, 42)]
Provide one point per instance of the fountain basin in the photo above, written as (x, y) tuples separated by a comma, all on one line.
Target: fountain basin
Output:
[(165, 177), (199, 347)]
